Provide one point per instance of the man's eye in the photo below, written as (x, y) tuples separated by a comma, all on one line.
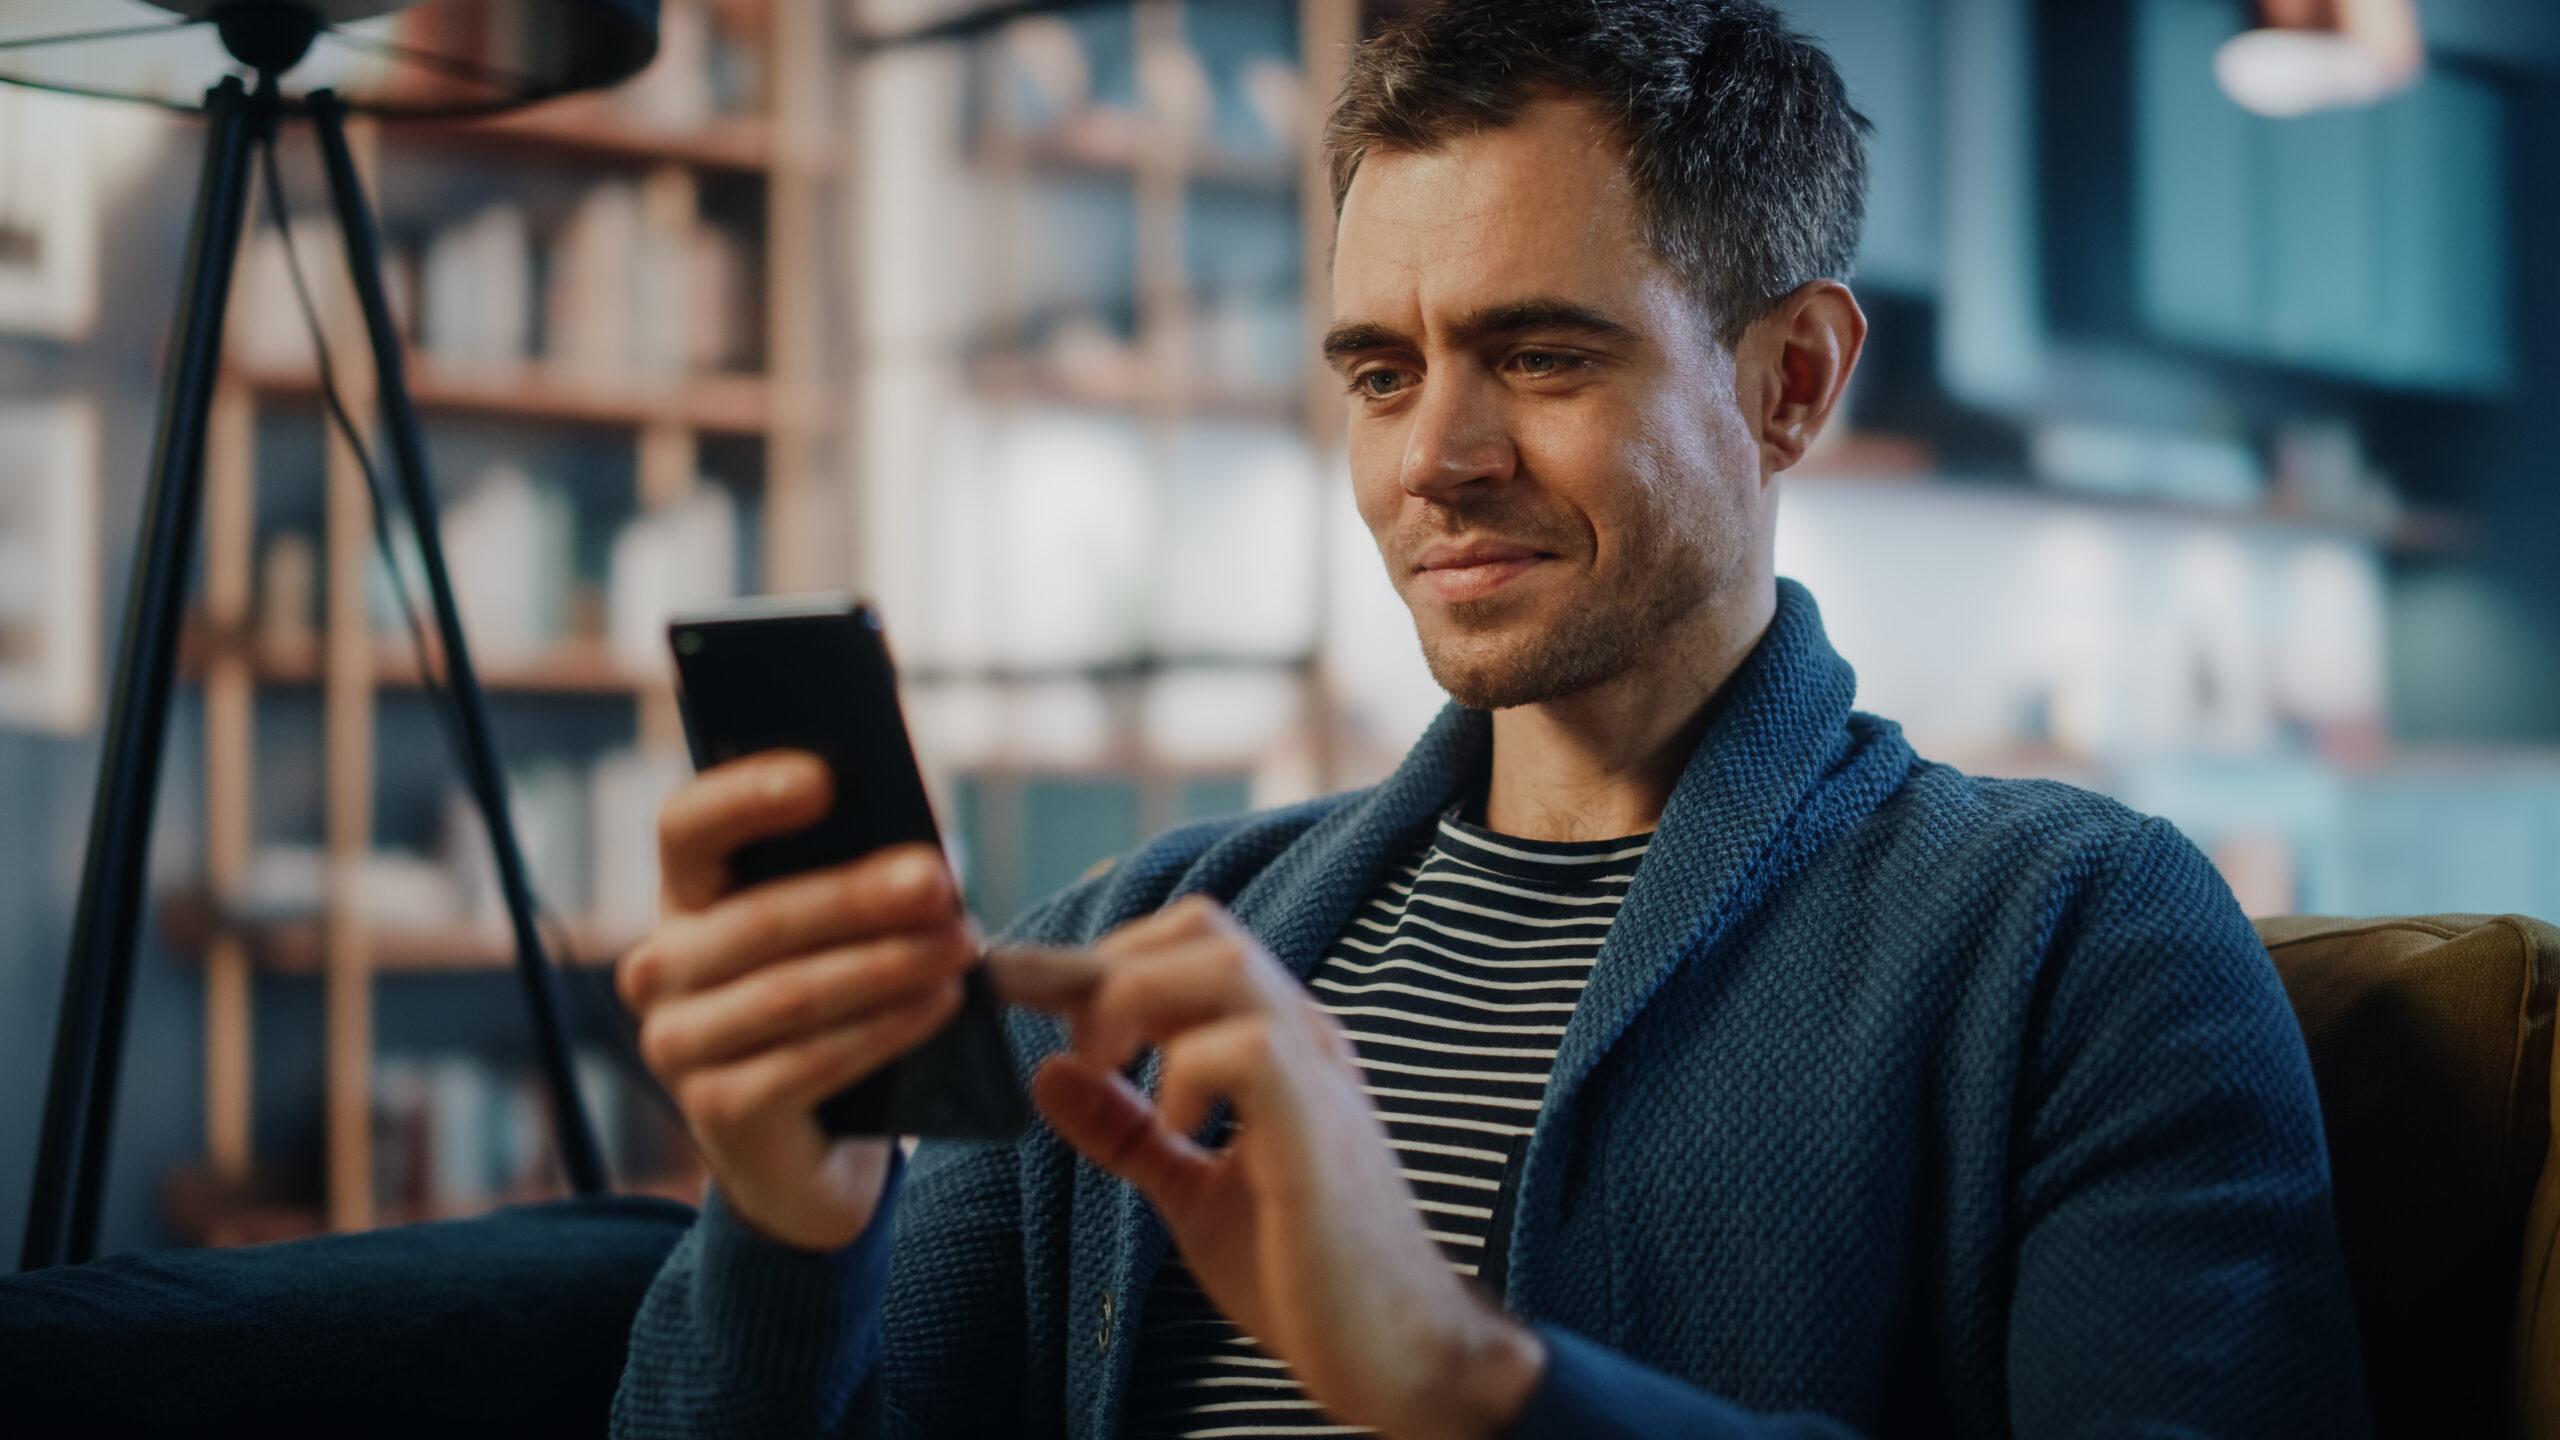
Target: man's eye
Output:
[(1376, 384), (1540, 364)]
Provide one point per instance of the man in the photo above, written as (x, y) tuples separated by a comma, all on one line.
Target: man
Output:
[(1662, 1050)]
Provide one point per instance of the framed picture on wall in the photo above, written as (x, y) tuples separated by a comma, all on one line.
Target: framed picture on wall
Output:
[(48, 221), (48, 564)]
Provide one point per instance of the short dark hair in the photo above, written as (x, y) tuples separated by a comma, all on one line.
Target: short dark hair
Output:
[(1748, 160)]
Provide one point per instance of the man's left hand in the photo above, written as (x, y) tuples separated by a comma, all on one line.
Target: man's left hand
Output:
[(1301, 1227)]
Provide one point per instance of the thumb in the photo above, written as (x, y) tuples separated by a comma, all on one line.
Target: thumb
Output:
[(1104, 1118)]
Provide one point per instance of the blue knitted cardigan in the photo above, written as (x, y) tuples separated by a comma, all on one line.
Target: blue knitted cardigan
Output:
[(1900, 1102)]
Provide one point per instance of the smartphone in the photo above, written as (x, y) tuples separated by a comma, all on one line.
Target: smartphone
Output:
[(812, 672)]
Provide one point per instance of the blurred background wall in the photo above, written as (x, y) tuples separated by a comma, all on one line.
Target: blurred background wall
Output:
[(2198, 457)]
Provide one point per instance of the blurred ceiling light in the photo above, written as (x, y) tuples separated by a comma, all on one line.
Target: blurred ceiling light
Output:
[(2308, 55)]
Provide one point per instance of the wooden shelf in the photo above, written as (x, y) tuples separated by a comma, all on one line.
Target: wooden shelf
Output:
[(189, 920), (586, 129), (1863, 459), (1869, 454), (1031, 384), (201, 1209), (2428, 532), (1114, 154), (721, 404), (572, 667)]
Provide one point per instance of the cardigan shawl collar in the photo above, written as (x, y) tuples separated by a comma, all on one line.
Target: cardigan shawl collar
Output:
[(1783, 764)]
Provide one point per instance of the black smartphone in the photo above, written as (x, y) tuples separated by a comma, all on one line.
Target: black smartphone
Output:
[(812, 672)]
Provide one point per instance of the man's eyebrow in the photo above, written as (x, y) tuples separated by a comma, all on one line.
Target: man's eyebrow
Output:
[(1537, 313), (1361, 338), (1345, 341)]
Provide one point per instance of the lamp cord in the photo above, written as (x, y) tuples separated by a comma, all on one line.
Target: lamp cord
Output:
[(617, 1023)]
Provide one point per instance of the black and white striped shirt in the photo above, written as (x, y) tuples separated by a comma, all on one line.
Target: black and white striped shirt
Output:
[(1454, 982)]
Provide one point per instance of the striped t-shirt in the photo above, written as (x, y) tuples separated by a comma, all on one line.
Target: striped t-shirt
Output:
[(1454, 982)]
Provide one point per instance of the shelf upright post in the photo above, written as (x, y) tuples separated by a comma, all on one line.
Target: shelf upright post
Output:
[(841, 266), (347, 720), (797, 549), (231, 471), (1165, 349), (670, 453), (1000, 798), (1326, 31)]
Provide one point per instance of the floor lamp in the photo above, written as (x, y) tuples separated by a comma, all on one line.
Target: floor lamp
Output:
[(472, 56)]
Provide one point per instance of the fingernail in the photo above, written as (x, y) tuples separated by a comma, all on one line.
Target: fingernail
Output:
[(919, 872), (796, 769)]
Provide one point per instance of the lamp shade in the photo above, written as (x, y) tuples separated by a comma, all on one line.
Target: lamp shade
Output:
[(391, 57), (2307, 55)]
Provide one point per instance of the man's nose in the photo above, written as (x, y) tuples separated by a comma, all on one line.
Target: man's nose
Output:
[(1460, 434)]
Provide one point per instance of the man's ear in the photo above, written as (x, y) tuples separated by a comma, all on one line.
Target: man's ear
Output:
[(1795, 362)]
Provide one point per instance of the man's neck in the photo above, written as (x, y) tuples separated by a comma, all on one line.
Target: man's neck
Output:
[(1601, 762)]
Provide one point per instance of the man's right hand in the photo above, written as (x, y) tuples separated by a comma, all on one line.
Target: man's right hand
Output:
[(756, 1004)]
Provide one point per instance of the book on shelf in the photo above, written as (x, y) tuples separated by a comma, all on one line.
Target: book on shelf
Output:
[(286, 602), (589, 837), (455, 1132), (1235, 114), (676, 91), (589, 306), (588, 833), (625, 791), (264, 328), (718, 286), (395, 888), (662, 561), (621, 303), (476, 289), (510, 549), (628, 296), (548, 802)]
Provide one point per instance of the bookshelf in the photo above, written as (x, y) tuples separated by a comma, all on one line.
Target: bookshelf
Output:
[(768, 159), (1098, 237), (807, 414)]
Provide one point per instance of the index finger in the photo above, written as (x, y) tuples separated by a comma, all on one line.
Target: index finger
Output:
[(771, 793)]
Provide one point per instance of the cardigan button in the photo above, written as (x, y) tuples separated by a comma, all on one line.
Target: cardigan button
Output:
[(1102, 1337)]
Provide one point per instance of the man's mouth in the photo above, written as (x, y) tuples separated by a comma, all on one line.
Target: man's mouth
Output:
[(1465, 571)]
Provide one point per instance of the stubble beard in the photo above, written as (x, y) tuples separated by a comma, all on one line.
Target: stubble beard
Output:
[(1495, 666), (1690, 545)]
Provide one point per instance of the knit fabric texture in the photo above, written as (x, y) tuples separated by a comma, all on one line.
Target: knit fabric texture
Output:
[(1900, 1101)]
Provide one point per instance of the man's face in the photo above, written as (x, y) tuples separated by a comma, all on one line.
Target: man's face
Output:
[(1532, 388)]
